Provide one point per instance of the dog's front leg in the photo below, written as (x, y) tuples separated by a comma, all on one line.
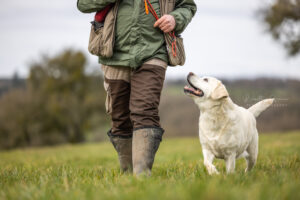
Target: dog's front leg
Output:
[(208, 162), (230, 163)]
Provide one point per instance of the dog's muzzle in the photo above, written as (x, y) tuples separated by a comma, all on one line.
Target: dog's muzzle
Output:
[(192, 89)]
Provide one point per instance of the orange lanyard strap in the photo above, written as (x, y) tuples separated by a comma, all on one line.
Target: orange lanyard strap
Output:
[(174, 47), (172, 33), (146, 7)]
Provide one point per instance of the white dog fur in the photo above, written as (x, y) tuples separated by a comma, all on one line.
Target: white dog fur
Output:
[(226, 130)]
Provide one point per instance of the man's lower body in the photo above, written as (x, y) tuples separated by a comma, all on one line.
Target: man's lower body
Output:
[(133, 97)]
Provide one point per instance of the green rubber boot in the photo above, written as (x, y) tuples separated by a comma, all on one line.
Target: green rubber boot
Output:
[(123, 147), (144, 146)]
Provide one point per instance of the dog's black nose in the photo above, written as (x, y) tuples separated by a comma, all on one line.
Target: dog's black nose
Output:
[(191, 74)]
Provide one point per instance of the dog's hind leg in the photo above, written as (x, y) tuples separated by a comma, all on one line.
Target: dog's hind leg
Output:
[(230, 163), (252, 153), (208, 162)]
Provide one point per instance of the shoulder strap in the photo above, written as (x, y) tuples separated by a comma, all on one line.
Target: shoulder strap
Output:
[(166, 6)]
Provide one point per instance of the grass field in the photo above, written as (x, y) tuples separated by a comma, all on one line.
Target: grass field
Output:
[(90, 171)]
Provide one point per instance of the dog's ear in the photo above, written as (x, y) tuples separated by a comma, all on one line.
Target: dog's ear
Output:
[(219, 92)]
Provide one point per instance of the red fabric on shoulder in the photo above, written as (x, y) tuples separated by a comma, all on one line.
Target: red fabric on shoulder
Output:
[(100, 15)]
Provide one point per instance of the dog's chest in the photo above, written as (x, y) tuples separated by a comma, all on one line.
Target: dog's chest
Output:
[(221, 140), (220, 145), (223, 133)]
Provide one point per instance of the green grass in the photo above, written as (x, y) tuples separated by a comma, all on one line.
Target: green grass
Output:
[(90, 171)]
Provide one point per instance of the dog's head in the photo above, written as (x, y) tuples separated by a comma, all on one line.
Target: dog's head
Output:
[(205, 89)]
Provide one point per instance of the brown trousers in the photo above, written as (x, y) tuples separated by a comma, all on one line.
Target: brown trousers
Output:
[(133, 96)]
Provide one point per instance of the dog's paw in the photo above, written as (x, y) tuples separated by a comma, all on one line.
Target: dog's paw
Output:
[(213, 171)]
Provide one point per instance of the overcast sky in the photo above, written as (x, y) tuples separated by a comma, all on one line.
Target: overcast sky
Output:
[(225, 38)]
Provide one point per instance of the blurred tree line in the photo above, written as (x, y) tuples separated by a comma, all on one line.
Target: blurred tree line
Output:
[(283, 21), (7, 84), (60, 103)]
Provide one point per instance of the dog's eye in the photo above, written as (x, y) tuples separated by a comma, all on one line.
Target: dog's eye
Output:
[(206, 80)]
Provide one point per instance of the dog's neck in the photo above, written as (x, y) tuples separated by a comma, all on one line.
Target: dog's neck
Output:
[(221, 106), (217, 117)]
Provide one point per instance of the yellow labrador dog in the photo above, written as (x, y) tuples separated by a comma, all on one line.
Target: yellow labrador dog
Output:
[(226, 130)]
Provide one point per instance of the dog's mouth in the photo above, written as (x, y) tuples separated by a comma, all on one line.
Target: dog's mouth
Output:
[(193, 89)]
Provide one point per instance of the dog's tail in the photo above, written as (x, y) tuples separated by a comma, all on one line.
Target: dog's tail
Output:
[(257, 108)]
